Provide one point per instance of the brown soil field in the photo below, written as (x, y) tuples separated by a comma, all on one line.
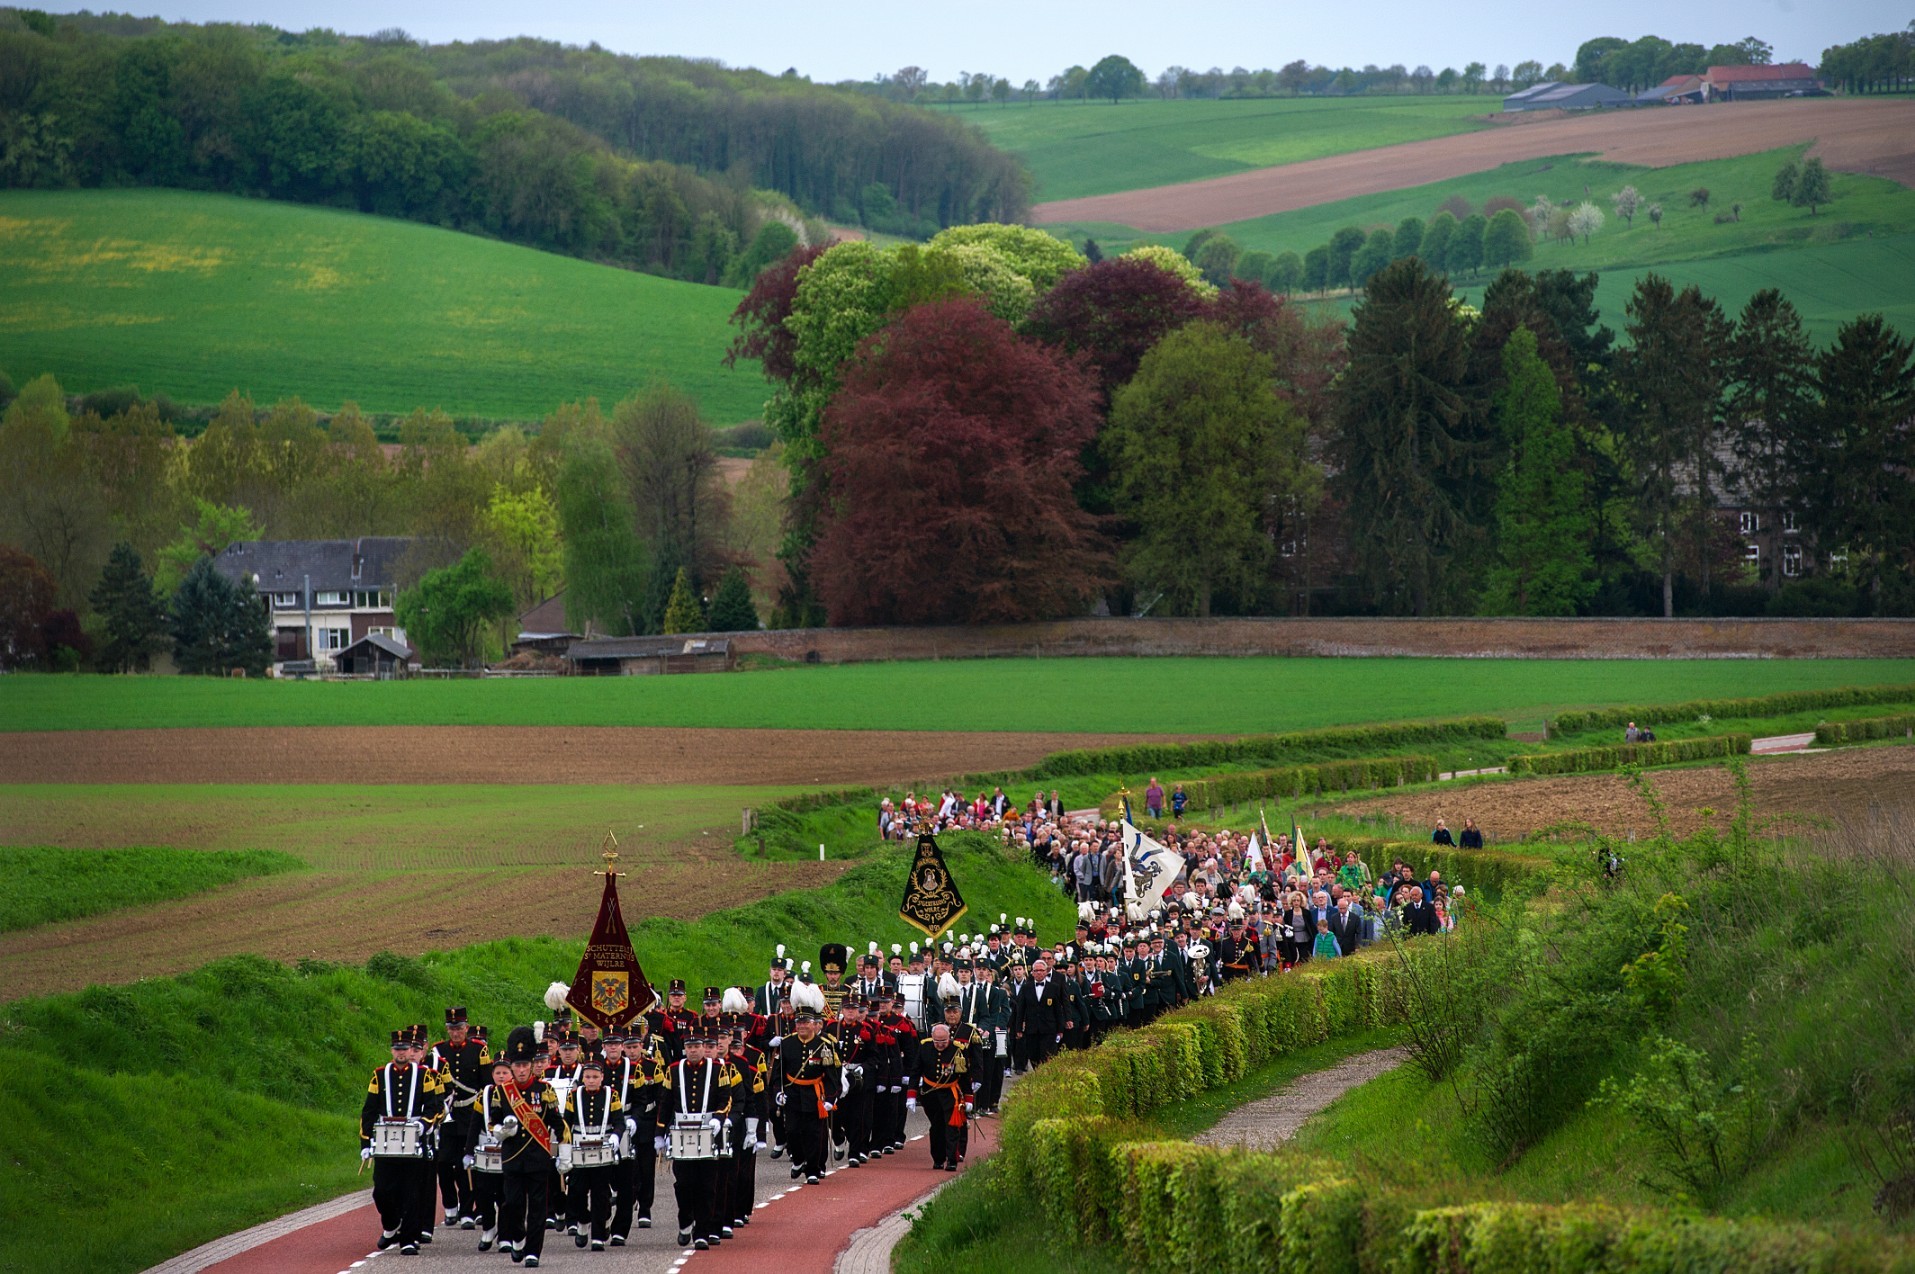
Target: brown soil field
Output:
[(522, 754), (1809, 788), (1874, 136), (350, 916)]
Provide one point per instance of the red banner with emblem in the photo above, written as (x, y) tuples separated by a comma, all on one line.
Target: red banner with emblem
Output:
[(610, 987)]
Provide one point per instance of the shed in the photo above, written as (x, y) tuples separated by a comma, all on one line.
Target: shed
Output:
[(1570, 97), (1516, 101), (375, 655), (1744, 83), (1676, 90), (647, 656)]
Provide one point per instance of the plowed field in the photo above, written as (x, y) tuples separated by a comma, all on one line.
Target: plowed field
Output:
[(521, 754), (1875, 136), (1810, 788)]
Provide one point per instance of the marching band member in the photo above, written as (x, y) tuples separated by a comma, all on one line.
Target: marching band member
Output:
[(532, 1132), (699, 1087), (597, 1118), (461, 1064), (748, 1123), (402, 1092), (856, 1046), (487, 1182), (943, 1079), (639, 1077), (810, 1084)]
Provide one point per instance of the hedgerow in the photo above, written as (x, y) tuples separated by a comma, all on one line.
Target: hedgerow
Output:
[(1833, 733), (1582, 760), (1775, 705)]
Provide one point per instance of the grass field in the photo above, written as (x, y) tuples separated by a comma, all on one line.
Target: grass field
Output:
[(45, 884), (194, 295), (1857, 254), (1078, 148), (1092, 695)]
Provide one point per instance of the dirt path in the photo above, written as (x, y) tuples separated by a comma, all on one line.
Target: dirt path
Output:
[(1267, 1124), (1875, 136), (1799, 787), (524, 754), (349, 916)]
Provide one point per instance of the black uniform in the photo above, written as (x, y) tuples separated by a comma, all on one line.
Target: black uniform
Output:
[(810, 1078), (749, 1119), (640, 1082), (528, 1164), (1039, 1016), (589, 1191), (462, 1070), (943, 1087), (704, 1089), (401, 1187)]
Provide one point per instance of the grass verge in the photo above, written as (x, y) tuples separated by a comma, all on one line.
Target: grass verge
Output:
[(45, 884)]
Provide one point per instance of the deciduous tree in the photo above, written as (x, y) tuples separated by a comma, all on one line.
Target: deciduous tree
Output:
[(1111, 313), (27, 594), (951, 453), (1115, 77), (1506, 239), (1812, 187), (447, 613)]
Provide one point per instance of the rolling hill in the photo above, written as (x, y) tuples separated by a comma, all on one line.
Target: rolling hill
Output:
[(194, 295)]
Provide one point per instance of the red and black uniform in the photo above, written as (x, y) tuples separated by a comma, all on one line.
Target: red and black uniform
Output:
[(529, 1156), (749, 1114), (895, 1046), (810, 1083), (857, 1050)]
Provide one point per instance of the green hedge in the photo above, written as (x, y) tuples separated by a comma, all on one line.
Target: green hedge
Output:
[(1069, 1134), (1139, 757), (1585, 759), (1775, 705), (1832, 733), (1308, 780)]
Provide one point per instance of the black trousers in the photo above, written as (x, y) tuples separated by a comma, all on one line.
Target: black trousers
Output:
[(455, 1183), (744, 1183), (401, 1190), (637, 1181), (695, 1183), (948, 1144), (588, 1198), (526, 1205), (990, 1073), (856, 1111), (805, 1135), (488, 1189)]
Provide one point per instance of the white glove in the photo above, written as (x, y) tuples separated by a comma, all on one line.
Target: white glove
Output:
[(967, 1107), (910, 1103), (661, 1144), (776, 1040), (975, 1086), (751, 1128), (631, 1126), (365, 1152), (830, 1106), (759, 1146), (565, 1157), (715, 1125), (469, 1161), (781, 1099)]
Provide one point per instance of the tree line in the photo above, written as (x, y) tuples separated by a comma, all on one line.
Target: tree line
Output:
[(665, 165), (1881, 63), (1022, 441), (110, 522)]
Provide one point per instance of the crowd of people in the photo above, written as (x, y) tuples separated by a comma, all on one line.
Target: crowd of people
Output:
[(566, 1127)]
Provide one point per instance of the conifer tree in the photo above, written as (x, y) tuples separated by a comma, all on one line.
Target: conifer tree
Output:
[(131, 611), (683, 614), (732, 610)]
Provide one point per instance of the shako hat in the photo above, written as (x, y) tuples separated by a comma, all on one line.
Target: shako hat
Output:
[(520, 1046), (402, 1037), (456, 1016), (677, 987), (833, 956)]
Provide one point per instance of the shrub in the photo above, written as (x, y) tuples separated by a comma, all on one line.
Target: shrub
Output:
[(1582, 760), (1834, 733), (1775, 705)]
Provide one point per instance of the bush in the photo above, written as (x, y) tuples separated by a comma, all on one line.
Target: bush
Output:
[(1309, 780), (1582, 760), (1834, 733), (1775, 705), (1302, 745)]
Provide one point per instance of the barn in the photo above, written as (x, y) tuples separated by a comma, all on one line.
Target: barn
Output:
[(648, 656), (1753, 83), (1566, 97)]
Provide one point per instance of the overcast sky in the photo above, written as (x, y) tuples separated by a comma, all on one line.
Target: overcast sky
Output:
[(1035, 39)]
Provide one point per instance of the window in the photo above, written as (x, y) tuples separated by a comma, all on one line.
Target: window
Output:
[(1839, 559), (1752, 552), (1791, 560), (365, 600), (1751, 523), (286, 601), (1789, 526), (1289, 548), (332, 599), (379, 631), (329, 639)]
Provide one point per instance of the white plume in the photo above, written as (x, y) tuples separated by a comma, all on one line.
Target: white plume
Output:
[(781, 951), (555, 996), (808, 995), (538, 1032), (874, 948), (948, 985), (897, 949), (805, 967), (735, 1001)]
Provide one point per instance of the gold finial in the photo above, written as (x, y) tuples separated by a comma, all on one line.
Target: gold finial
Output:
[(608, 850)]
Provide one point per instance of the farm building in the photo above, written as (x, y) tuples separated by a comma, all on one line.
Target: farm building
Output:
[(1565, 97), (376, 655), (648, 656), (1677, 90), (543, 630), (1747, 83), (322, 595)]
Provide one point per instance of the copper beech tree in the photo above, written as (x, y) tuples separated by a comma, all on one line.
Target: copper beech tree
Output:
[(951, 452)]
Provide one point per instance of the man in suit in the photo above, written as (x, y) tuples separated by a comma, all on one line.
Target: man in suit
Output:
[(1040, 1013), (1418, 915), (1346, 926)]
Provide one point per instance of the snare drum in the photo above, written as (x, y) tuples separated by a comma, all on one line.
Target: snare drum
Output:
[(594, 1152), (398, 1139), (487, 1157), (693, 1138)]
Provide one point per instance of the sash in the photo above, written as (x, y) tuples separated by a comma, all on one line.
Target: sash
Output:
[(533, 1126)]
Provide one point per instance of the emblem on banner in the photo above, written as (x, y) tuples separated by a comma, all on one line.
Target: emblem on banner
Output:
[(611, 992)]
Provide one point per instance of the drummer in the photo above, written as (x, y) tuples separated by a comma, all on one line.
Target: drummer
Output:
[(698, 1090), (401, 1090), (598, 1121), (486, 1185)]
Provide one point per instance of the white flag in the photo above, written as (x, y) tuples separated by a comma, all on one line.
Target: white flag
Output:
[(1253, 855), (1151, 870)]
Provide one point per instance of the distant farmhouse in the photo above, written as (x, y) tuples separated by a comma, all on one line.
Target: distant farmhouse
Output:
[(1554, 96), (1734, 84), (326, 598)]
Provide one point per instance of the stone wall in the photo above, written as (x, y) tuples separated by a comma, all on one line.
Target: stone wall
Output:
[(1453, 637)]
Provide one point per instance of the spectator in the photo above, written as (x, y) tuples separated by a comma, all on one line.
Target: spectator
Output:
[(1057, 806), (1326, 945), (1178, 799), (1632, 735), (1154, 798), (1472, 834), (1418, 916), (1347, 927), (1441, 836)]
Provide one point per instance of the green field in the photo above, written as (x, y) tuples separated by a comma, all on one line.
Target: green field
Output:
[(1857, 254), (45, 884), (1093, 148), (1092, 695), (195, 295)]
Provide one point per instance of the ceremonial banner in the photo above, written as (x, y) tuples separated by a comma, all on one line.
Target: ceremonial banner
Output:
[(931, 900), (1152, 869), (610, 988)]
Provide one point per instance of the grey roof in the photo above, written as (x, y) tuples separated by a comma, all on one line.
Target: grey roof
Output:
[(1563, 93), (379, 641), (1524, 94), (283, 565), (646, 647)]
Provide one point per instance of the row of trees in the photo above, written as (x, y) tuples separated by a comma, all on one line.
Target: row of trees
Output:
[(972, 443), (669, 166), (1643, 63), (1883, 63)]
